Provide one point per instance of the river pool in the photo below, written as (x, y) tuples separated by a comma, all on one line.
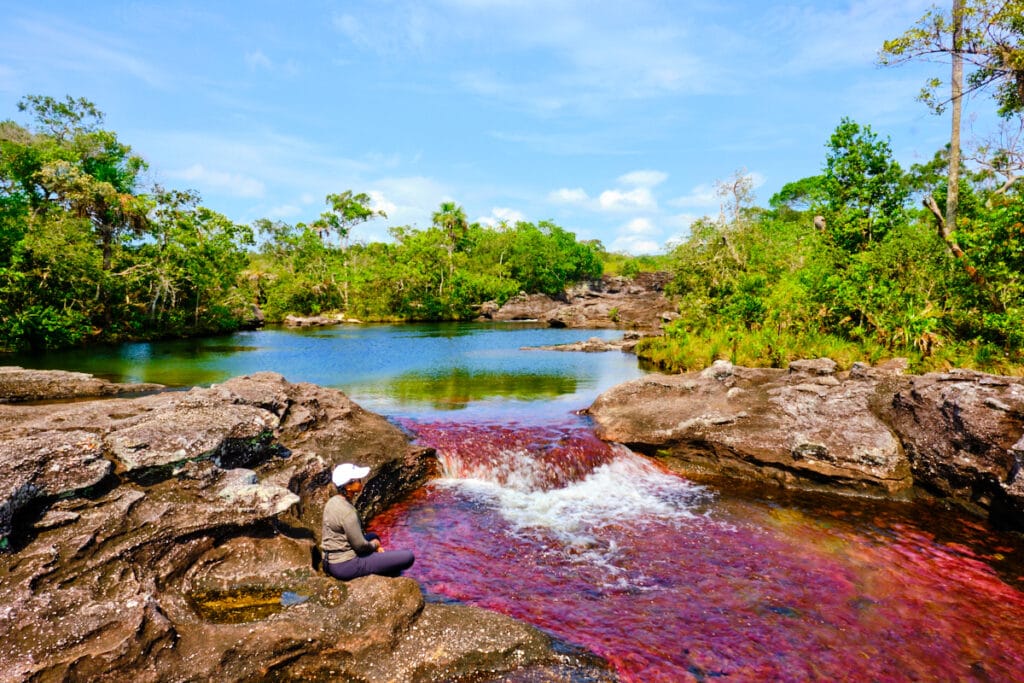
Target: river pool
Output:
[(668, 580)]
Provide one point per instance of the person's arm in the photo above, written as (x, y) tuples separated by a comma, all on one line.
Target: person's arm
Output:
[(354, 532)]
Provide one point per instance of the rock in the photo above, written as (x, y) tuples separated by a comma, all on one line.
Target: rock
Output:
[(638, 303), (794, 429), (594, 345), (18, 385), (874, 430), (173, 537), (317, 320), (961, 431), (817, 366)]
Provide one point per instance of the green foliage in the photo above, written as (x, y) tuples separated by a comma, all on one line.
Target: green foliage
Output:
[(86, 255), (863, 187), (770, 287)]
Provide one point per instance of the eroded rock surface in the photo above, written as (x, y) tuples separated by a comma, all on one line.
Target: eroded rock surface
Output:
[(872, 430), (172, 537), (631, 303), (964, 436), (802, 428)]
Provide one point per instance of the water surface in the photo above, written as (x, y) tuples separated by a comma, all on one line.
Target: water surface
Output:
[(670, 581)]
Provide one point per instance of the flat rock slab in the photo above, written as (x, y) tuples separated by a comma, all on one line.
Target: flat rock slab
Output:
[(19, 385)]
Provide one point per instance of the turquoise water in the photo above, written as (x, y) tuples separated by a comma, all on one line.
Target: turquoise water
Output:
[(468, 369)]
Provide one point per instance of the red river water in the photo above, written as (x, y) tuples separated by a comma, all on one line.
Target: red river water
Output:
[(670, 581)]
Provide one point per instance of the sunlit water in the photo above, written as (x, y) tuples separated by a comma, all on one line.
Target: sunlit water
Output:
[(673, 582), (669, 581)]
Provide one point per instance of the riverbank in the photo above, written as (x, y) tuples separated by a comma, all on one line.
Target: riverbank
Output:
[(173, 536)]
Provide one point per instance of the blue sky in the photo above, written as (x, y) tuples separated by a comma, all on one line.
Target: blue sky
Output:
[(613, 119)]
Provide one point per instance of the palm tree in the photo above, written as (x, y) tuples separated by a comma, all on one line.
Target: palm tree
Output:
[(450, 218)]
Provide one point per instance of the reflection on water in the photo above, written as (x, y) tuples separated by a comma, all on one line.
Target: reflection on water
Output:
[(457, 388), (391, 369)]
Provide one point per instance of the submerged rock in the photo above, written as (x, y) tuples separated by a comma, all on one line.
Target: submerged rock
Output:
[(173, 537)]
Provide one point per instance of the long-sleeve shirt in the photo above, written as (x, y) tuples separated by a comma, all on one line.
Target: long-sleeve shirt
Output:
[(342, 536)]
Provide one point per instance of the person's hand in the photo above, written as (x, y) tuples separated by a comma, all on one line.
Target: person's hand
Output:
[(376, 545)]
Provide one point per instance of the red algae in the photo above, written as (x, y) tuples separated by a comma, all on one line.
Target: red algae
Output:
[(671, 583)]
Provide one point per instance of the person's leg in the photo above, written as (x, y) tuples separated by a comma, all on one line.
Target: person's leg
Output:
[(389, 562)]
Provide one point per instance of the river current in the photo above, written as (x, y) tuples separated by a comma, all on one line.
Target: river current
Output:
[(606, 549)]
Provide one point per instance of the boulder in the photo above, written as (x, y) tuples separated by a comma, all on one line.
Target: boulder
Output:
[(963, 432), (803, 428), (872, 430), (637, 303)]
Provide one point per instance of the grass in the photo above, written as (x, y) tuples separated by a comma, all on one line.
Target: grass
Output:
[(687, 351)]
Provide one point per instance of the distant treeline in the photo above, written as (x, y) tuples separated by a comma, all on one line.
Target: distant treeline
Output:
[(847, 264), (87, 253)]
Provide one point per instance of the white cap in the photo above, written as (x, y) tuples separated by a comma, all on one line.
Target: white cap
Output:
[(346, 472)]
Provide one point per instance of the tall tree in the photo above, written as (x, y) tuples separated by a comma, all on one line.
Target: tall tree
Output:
[(989, 36), (450, 218)]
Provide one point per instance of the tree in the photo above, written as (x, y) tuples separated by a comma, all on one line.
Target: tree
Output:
[(863, 186), (83, 169), (451, 220), (989, 36), (346, 211)]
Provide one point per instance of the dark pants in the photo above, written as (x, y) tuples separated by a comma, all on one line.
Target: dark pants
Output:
[(387, 563)]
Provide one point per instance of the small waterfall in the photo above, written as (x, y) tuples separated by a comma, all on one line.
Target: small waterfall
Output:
[(608, 550)]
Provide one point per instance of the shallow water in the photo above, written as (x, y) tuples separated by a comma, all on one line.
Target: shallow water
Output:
[(669, 581)]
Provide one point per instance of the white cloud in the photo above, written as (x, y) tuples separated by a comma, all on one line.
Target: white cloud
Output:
[(502, 215), (618, 200), (77, 48), (234, 184), (566, 195), (641, 226), (701, 195), (378, 202), (283, 211), (634, 244), (644, 178), (257, 60)]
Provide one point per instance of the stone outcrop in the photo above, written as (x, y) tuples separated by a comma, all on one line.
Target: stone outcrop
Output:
[(173, 537), (963, 433), (316, 320), (626, 344), (869, 431), (630, 303), (18, 385)]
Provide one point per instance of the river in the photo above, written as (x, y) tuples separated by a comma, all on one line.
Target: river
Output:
[(670, 581)]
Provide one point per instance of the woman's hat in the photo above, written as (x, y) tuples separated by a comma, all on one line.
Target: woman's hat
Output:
[(346, 472)]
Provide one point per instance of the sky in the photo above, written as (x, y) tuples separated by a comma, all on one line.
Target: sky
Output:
[(613, 119)]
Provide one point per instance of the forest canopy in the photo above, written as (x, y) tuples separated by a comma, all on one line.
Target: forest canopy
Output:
[(88, 252)]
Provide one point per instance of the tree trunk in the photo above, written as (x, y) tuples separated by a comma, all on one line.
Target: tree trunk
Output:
[(957, 86)]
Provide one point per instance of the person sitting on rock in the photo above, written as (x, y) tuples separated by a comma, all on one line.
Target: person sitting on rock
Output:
[(348, 553)]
